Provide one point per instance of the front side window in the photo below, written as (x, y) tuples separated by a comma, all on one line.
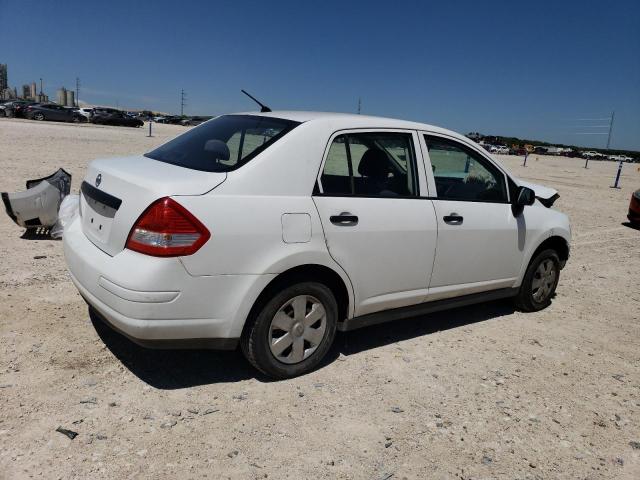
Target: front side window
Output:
[(462, 174), (224, 143), (380, 164)]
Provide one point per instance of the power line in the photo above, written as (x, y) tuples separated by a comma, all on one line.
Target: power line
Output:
[(610, 129)]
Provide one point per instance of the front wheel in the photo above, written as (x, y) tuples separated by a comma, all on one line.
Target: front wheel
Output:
[(540, 282), (38, 116), (293, 330)]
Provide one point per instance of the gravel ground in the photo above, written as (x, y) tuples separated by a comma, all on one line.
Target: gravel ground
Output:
[(478, 392)]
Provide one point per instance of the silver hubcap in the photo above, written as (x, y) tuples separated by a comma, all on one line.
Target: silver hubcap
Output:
[(543, 280), (297, 329)]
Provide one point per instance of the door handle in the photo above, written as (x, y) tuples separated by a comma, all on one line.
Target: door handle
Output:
[(345, 219), (453, 219)]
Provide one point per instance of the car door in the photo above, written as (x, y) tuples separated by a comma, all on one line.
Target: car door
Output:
[(54, 112), (376, 225), (480, 243)]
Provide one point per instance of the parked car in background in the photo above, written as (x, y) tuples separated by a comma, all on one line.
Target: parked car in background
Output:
[(52, 111), (520, 151), (499, 149), (634, 209), (590, 154), (86, 112), (193, 121), (620, 158), (110, 116), (16, 108), (271, 231)]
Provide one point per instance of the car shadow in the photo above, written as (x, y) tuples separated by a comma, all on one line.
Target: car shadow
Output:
[(176, 369), (354, 342), (631, 226)]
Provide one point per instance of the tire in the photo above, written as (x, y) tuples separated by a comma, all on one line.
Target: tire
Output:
[(39, 116), (276, 327), (539, 282)]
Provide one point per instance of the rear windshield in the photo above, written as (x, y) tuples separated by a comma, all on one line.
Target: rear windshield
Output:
[(224, 143)]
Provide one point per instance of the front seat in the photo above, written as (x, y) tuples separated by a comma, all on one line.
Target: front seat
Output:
[(374, 166)]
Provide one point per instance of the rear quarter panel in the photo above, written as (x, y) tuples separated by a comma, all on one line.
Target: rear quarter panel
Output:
[(244, 214), (247, 235)]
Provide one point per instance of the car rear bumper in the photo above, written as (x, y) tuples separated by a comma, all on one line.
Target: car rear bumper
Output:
[(155, 301)]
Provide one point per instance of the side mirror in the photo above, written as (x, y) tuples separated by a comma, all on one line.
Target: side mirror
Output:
[(524, 196), (218, 149)]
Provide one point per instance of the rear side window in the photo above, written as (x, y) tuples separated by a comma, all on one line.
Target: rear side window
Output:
[(245, 136), (379, 164)]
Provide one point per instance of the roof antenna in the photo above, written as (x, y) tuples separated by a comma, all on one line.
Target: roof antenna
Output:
[(263, 107)]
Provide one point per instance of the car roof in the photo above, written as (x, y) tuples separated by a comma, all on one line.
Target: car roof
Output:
[(351, 120)]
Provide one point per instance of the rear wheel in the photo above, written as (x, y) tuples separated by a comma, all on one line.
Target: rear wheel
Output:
[(293, 330), (540, 282), (38, 116)]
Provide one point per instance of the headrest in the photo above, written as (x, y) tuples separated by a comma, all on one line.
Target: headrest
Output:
[(374, 164)]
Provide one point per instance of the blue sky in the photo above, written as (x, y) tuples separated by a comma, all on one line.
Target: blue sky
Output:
[(530, 69)]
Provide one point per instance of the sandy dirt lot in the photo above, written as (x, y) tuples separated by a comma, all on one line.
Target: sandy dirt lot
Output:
[(479, 392)]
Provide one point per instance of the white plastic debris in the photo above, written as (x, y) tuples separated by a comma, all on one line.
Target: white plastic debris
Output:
[(67, 212)]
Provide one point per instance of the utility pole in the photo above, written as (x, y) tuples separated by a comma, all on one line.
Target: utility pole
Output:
[(359, 105), (77, 92), (183, 102), (610, 129)]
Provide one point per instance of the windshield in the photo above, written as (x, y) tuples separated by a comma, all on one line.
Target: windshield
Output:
[(245, 137)]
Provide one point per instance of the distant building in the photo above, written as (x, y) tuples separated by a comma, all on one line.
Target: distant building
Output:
[(70, 98), (62, 96), (33, 93), (66, 97), (26, 91), (7, 94), (4, 81)]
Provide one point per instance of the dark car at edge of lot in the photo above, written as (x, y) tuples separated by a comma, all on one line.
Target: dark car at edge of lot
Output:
[(52, 111), (634, 209), (111, 116), (16, 108)]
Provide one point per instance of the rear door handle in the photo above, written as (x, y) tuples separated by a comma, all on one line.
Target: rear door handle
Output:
[(345, 219), (453, 219)]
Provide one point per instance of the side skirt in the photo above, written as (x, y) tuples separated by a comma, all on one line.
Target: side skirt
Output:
[(424, 308)]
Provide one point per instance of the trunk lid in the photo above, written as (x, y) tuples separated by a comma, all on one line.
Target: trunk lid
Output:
[(116, 191)]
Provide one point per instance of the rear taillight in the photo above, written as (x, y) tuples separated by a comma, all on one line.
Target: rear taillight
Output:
[(167, 229)]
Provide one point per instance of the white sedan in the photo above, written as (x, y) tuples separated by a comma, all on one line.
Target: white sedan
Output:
[(271, 231)]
